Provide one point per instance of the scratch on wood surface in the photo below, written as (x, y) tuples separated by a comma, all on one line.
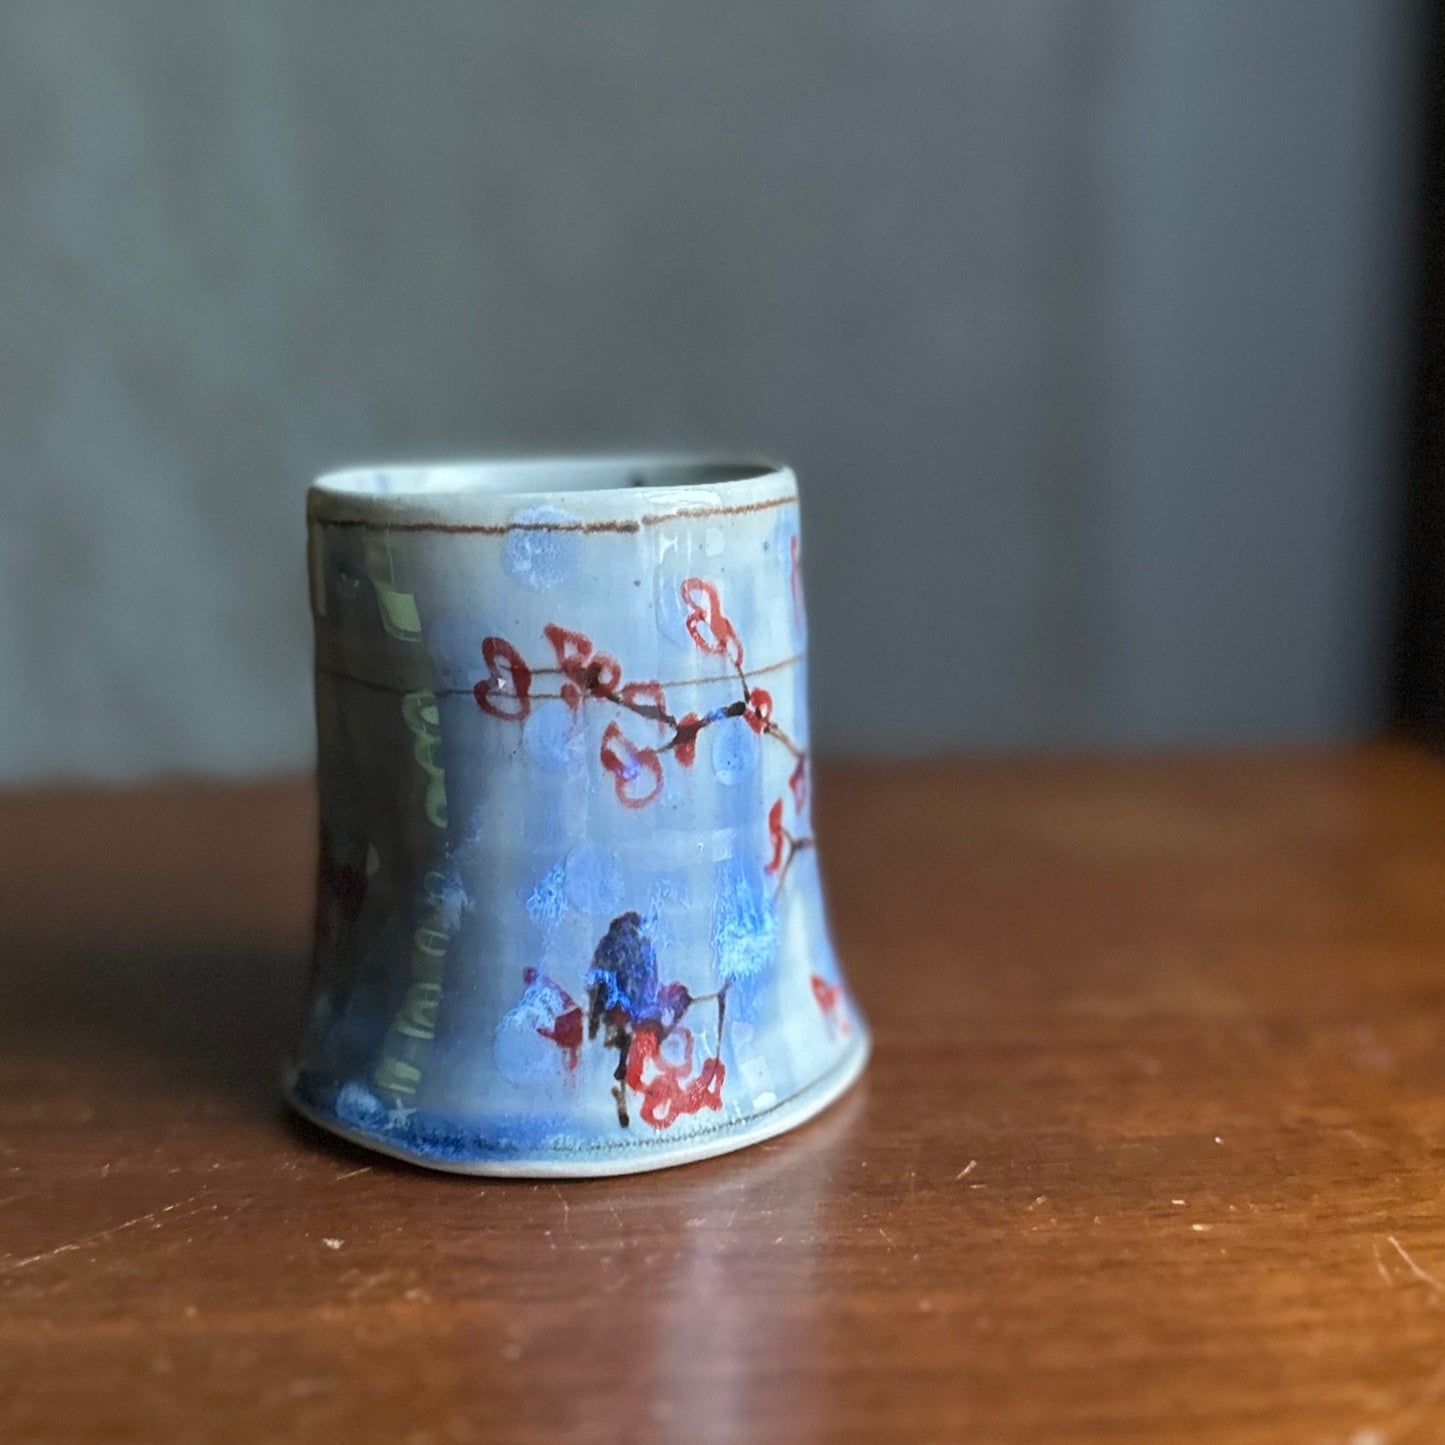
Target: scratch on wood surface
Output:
[(886, 1236), (966, 1170), (1380, 1266), (1363, 1141), (351, 1174), (1423, 1275), (36, 1258), (156, 1217), (616, 1219), (566, 1209)]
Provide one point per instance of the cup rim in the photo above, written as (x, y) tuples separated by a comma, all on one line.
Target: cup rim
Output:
[(502, 493)]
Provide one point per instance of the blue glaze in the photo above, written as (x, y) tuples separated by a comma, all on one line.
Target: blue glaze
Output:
[(745, 924), (354, 1104), (552, 738), (547, 901), (735, 750), (594, 881), (539, 559), (570, 905)]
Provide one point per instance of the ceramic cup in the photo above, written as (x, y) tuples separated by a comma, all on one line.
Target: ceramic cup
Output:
[(568, 912)]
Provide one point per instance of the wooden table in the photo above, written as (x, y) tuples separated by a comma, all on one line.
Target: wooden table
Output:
[(1152, 1147)]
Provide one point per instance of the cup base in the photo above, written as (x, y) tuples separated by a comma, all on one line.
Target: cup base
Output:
[(456, 1151)]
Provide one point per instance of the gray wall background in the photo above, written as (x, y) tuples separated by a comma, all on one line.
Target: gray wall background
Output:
[(1082, 324)]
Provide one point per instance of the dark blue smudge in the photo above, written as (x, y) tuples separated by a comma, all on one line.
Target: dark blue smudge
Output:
[(624, 968), (419, 1133)]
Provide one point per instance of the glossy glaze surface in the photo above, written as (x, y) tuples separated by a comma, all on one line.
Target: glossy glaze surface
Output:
[(569, 918)]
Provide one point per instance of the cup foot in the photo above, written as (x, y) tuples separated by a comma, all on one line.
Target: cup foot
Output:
[(459, 1150)]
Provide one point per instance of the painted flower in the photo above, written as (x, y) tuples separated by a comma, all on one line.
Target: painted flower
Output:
[(759, 711), (506, 690), (798, 783), (829, 998), (585, 672), (565, 1028), (643, 1019), (707, 624), (545, 1012), (659, 1068), (636, 772), (777, 836)]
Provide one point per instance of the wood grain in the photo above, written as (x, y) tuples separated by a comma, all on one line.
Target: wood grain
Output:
[(1152, 1147)]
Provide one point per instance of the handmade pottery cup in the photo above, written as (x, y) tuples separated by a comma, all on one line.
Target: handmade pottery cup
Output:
[(568, 912)]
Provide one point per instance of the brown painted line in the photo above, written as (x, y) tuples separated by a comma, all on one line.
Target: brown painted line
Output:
[(752, 672), (366, 682), (490, 529), (655, 519)]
